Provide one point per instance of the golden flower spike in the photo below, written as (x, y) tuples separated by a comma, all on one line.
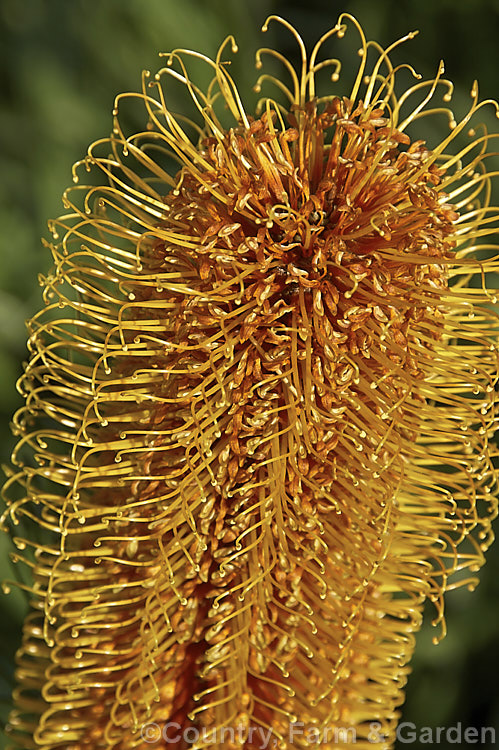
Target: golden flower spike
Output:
[(259, 407)]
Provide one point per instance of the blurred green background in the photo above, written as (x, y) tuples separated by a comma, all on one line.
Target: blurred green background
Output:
[(61, 64)]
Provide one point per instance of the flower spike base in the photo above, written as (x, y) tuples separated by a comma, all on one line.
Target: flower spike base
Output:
[(259, 405)]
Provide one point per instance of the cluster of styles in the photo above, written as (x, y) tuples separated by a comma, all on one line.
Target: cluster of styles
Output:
[(259, 407)]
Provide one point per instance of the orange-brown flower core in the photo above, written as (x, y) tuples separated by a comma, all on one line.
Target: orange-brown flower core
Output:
[(316, 253)]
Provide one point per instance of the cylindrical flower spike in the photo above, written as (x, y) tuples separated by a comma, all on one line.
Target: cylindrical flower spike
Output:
[(259, 406)]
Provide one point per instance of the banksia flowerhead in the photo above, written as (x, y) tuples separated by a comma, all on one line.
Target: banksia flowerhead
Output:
[(259, 406)]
